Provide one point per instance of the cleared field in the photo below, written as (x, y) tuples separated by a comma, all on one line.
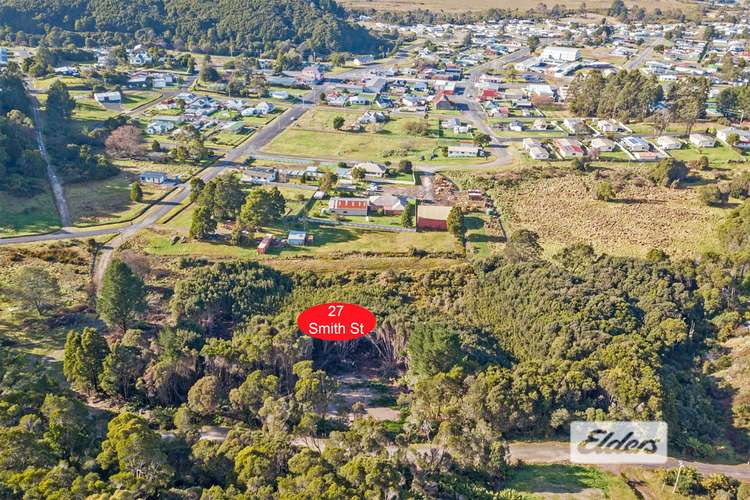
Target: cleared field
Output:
[(134, 99), (562, 210), (106, 201), (447, 5), (314, 135), (568, 481), (20, 216)]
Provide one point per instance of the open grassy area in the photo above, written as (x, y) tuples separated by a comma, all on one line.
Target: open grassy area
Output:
[(89, 112), (561, 208), (27, 215), (720, 154), (24, 329), (107, 201), (567, 481), (328, 240), (314, 135), (133, 99)]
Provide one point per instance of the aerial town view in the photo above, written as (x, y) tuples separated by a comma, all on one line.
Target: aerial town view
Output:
[(307, 249)]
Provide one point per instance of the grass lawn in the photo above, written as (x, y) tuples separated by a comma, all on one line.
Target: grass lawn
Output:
[(27, 215), (328, 240), (480, 242), (133, 99), (558, 479), (106, 201), (183, 169), (229, 138), (718, 154), (90, 112)]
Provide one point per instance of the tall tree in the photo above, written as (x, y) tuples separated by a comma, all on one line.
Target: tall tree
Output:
[(122, 296), (59, 103)]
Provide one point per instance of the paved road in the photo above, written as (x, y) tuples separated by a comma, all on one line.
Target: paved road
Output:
[(643, 55)]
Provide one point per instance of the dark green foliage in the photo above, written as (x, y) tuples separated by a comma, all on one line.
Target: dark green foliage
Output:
[(625, 95), (434, 348), (122, 295), (668, 172), (228, 291), (22, 169), (84, 355), (212, 26)]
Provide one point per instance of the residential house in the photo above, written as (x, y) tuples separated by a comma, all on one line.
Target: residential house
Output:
[(602, 145), (463, 151), (390, 204), (607, 126), (515, 126), (634, 143), (668, 142), (568, 148), (575, 125), (153, 177), (348, 206), (139, 58), (702, 140), (539, 125), (363, 60), (442, 102), (742, 135), (538, 153), (265, 107), (433, 217), (530, 142), (371, 169), (369, 117), (311, 75), (297, 238), (259, 175), (359, 100), (108, 97), (561, 54)]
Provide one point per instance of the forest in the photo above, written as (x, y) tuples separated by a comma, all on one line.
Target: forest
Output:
[(506, 347), (227, 26), (22, 170)]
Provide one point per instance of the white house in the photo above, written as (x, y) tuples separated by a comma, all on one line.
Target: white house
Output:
[(607, 126), (575, 125), (702, 141), (280, 94), (463, 151), (265, 108), (371, 169), (530, 142), (667, 142), (602, 145), (566, 54), (107, 97), (539, 153), (152, 177), (743, 135), (363, 60), (634, 143)]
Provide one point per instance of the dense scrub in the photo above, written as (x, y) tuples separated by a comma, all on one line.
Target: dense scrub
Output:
[(251, 25)]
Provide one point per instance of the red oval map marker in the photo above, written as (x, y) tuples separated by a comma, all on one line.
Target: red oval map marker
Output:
[(336, 321)]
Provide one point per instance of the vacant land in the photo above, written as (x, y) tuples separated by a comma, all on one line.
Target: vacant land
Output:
[(20, 216), (567, 482), (314, 135), (107, 201), (559, 205)]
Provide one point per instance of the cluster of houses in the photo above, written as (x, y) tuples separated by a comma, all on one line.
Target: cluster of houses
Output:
[(428, 217), (198, 110)]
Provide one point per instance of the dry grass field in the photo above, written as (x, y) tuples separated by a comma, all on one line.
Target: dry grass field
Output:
[(563, 211), (451, 6)]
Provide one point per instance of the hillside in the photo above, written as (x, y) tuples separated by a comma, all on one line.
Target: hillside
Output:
[(321, 25)]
